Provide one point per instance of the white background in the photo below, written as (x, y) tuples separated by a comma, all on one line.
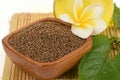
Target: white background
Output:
[(9, 7)]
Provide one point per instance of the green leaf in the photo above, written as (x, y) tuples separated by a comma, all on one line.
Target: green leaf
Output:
[(116, 62), (116, 16), (96, 64)]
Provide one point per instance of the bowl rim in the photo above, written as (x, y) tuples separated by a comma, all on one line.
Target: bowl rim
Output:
[(88, 42)]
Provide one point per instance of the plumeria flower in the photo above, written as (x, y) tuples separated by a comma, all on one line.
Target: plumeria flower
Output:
[(85, 21)]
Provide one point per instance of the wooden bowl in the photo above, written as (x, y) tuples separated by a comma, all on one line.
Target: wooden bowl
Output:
[(47, 70)]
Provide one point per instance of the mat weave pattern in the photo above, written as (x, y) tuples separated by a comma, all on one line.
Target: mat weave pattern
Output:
[(12, 72)]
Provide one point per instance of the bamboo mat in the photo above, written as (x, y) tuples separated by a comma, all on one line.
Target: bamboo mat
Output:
[(12, 72)]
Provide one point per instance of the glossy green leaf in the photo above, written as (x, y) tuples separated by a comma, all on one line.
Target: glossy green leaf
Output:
[(96, 65), (116, 16)]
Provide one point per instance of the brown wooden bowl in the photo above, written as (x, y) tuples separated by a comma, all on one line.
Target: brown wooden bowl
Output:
[(47, 70)]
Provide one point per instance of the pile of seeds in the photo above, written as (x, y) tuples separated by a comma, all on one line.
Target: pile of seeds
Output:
[(46, 41)]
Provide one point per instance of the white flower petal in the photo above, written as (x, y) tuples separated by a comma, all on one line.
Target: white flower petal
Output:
[(99, 26), (83, 32), (66, 18), (78, 6), (92, 11)]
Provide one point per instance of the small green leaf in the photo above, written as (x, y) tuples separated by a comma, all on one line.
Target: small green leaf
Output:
[(116, 16), (96, 65)]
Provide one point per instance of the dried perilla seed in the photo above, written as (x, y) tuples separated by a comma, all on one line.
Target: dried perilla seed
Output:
[(45, 41)]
